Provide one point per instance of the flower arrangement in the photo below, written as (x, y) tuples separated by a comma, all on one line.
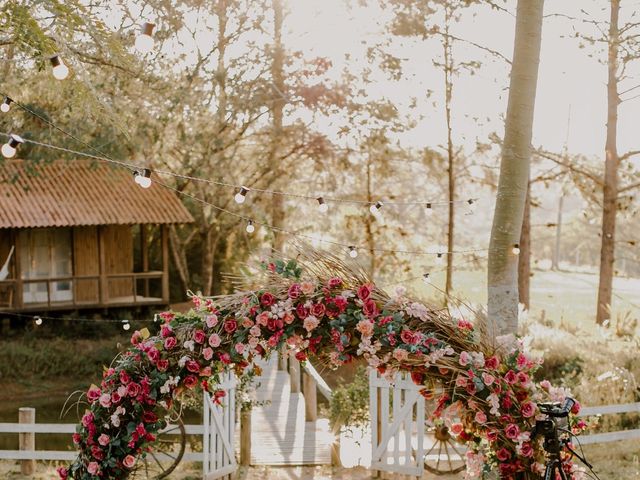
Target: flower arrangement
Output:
[(318, 306)]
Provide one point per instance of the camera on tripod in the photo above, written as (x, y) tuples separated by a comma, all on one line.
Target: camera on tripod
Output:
[(557, 419)]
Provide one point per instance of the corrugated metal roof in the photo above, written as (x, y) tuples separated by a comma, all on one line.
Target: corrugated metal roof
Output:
[(81, 192)]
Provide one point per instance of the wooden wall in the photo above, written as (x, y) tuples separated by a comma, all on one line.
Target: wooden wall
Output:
[(86, 261)]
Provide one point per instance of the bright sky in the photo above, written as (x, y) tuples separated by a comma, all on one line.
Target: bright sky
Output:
[(568, 79)]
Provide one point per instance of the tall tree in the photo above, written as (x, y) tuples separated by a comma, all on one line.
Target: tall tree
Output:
[(514, 170)]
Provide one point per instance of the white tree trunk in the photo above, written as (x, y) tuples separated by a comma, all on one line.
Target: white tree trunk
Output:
[(514, 170)]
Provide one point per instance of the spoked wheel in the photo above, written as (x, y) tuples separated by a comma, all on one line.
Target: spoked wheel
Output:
[(444, 456), (165, 455)]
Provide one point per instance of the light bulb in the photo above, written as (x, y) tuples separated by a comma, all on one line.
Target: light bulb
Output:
[(9, 149), (375, 208), (353, 252), (439, 259), (142, 177), (144, 182), (241, 196), (6, 105), (250, 227), (144, 41), (38, 320), (126, 325), (516, 249), (60, 70), (322, 206), (470, 206), (425, 278), (429, 210)]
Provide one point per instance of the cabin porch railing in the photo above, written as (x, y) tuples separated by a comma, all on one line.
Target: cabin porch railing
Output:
[(11, 291)]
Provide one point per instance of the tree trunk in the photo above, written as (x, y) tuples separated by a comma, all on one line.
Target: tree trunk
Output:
[(448, 83), (555, 260), (277, 73), (514, 170), (209, 246), (610, 189), (178, 251), (368, 224), (524, 260)]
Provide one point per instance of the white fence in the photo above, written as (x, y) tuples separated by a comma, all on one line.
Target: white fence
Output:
[(219, 432)]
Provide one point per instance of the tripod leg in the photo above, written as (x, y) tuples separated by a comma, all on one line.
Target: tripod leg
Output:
[(558, 466)]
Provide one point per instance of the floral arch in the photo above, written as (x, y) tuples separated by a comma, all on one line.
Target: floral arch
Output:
[(316, 305)]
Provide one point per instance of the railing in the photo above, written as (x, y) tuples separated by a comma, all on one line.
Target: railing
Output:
[(605, 437), (16, 290), (27, 430)]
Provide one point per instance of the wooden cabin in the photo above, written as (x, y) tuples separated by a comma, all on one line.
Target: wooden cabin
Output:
[(82, 235)]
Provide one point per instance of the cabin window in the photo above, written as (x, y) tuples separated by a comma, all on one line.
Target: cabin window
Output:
[(45, 261)]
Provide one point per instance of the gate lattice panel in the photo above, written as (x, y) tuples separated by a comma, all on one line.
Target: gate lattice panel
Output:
[(219, 432)]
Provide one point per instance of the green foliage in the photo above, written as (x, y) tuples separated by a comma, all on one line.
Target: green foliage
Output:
[(350, 402)]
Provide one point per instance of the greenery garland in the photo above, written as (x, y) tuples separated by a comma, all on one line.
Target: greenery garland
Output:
[(318, 306)]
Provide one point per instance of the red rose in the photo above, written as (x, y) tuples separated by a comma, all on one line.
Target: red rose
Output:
[(510, 377), (162, 365), (76, 438), (133, 389), (191, 381), (526, 450), (294, 291), (199, 336), (492, 435), (417, 378), (335, 282), (412, 338), (224, 358), (149, 417), (364, 291), (492, 363), (267, 299), (271, 267), (370, 309), (124, 378), (576, 408), (193, 366), (170, 342), (301, 356), (97, 453), (340, 302), (153, 354), (63, 473), (503, 454), (512, 431), (166, 330), (302, 312), (272, 324), (230, 326), (318, 310)]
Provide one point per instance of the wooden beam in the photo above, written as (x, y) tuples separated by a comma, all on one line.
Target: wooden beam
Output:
[(102, 264), (245, 437), (18, 294), (310, 397), (144, 250), (294, 373), (165, 263)]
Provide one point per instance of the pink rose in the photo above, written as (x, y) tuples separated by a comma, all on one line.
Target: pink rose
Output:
[(93, 468), (239, 348), (481, 417), (263, 318), (170, 342), (526, 450), (400, 354), (255, 331), (214, 340), (465, 359), (528, 409), (199, 336), (247, 323), (488, 379), (523, 378), (318, 310), (129, 461), (207, 353), (545, 385), (266, 300), (230, 326), (521, 361), (288, 318), (310, 323), (335, 282), (456, 429), (226, 358), (211, 320), (307, 288), (124, 378), (153, 354), (87, 419), (365, 327), (512, 431), (93, 394), (133, 389), (294, 291), (103, 439), (370, 309), (105, 400)]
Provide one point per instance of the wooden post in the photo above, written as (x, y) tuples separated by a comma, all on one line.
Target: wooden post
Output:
[(144, 251), (19, 290), (282, 361), (102, 264), (245, 437), (310, 397), (294, 373), (165, 264), (27, 441)]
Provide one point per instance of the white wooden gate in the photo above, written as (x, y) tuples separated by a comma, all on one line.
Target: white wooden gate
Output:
[(397, 425), (219, 457)]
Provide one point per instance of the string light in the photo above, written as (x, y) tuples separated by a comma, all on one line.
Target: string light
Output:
[(516, 249), (322, 206), (470, 207), (250, 227), (375, 208), (60, 70), (142, 177), (6, 105), (353, 251), (439, 258), (241, 196), (9, 149), (37, 320), (425, 278), (429, 210), (144, 41)]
